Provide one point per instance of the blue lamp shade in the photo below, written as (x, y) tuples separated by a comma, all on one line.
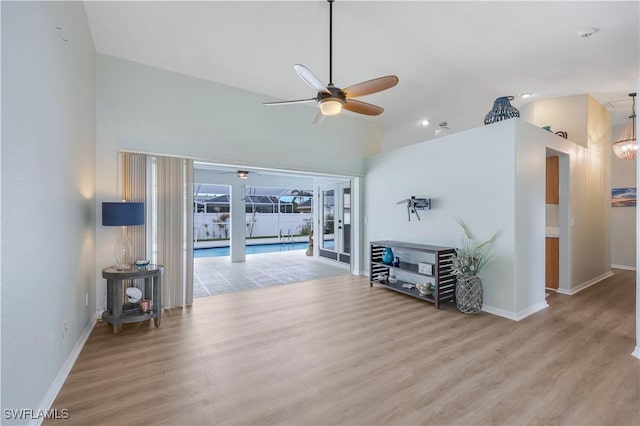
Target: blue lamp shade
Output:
[(122, 214)]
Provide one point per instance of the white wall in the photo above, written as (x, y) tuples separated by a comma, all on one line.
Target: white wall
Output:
[(152, 110), (530, 216), (265, 225), (48, 200), (494, 177), (636, 351), (588, 242), (623, 219), (468, 175), (568, 113)]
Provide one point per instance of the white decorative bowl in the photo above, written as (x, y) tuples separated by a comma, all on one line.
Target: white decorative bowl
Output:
[(134, 294)]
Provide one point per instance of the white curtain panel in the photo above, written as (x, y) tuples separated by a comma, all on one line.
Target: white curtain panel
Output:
[(134, 189), (173, 223)]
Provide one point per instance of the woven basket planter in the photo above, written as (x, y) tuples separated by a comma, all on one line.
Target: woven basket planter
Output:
[(469, 294)]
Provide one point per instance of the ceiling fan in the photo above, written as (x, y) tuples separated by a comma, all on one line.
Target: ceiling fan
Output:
[(331, 99), (242, 174)]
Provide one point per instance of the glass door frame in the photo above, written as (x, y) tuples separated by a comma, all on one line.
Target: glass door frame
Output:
[(340, 225)]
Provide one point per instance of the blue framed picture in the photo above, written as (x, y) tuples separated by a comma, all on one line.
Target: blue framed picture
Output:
[(623, 197)]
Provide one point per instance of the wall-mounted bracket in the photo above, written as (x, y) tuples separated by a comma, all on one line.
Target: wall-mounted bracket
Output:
[(414, 204)]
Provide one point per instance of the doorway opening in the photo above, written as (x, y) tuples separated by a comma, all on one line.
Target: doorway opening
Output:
[(211, 219), (277, 219), (557, 222), (272, 223)]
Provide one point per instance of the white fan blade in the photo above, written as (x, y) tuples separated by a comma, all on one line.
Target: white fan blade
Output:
[(319, 117), (310, 78), (297, 101)]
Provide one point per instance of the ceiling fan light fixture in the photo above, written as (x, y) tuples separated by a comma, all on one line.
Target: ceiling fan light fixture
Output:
[(332, 99), (331, 107), (243, 174)]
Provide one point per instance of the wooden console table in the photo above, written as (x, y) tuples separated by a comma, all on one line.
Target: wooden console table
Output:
[(117, 312)]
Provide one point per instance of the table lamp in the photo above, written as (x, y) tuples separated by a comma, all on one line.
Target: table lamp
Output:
[(122, 214)]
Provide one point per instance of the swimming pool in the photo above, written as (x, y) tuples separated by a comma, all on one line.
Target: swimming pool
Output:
[(253, 249)]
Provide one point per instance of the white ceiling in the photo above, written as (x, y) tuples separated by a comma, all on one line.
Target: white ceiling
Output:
[(452, 58)]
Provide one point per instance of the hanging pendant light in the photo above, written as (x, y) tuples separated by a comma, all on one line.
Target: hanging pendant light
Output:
[(626, 147)]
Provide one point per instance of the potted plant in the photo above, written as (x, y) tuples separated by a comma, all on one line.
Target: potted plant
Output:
[(469, 260)]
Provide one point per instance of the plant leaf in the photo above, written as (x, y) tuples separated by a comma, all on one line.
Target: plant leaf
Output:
[(490, 240), (472, 257), (467, 231)]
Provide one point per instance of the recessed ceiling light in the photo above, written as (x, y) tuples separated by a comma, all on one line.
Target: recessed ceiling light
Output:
[(424, 123), (525, 95)]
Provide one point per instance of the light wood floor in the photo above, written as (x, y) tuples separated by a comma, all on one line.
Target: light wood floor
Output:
[(335, 351)]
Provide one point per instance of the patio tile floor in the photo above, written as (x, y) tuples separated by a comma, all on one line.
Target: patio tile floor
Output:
[(218, 275)]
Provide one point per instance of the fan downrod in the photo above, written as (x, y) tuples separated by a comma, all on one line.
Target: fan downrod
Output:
[(330, 42)]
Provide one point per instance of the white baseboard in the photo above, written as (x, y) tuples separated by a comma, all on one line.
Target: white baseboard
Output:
[(585, 285), (499, 312), (55, 387), (628, 268), (531, 310), (515, 316), (636, 353)]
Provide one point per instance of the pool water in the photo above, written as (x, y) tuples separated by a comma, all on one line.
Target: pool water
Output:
[(253, 249)]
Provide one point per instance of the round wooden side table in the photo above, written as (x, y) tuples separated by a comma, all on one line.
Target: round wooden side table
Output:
[(118, 312)]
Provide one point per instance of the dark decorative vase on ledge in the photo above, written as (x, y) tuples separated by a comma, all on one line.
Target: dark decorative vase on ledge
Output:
[(502, 110)]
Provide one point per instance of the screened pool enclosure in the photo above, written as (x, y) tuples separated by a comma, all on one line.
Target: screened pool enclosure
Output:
[(270, 212)]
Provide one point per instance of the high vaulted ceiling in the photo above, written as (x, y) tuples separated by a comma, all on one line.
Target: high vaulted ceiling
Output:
[(452, 58)]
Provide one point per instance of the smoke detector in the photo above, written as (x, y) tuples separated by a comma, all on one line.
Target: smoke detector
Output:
[(442, 129), (588, 32)]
